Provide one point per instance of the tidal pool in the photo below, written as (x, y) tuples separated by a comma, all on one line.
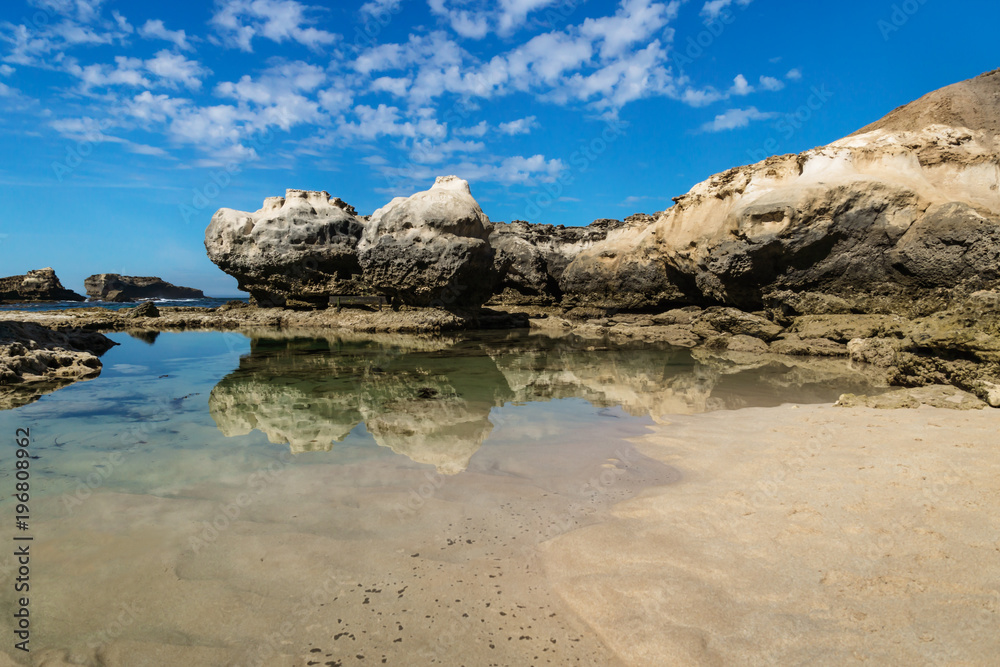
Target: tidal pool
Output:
[(318, 498)]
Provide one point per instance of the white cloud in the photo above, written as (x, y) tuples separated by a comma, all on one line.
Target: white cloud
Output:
[(154, 29), (240, 21), (125, 72), (427, 151), (713, 8), (389, 121), (513, 13), (6, 91), (794, 74), (478, 130), (175, 68), (735, 118), (467, 23), (84, 11), (379, 9), (701, 97), (6, 70), (635, 21), (770, 83), (519, 126), (740, 86)]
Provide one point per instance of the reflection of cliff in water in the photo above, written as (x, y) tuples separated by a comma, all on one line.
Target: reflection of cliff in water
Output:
[(430, 399)]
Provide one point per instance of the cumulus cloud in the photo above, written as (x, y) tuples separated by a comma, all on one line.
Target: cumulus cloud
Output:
[(770, 83), (736, 118), (239, 22), (174, 68), (794, 74), (519, 126), (154, 29), (713, 8), (740, 86)]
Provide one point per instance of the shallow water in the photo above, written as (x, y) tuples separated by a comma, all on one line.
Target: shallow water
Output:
[(205, 302), (311, 498)]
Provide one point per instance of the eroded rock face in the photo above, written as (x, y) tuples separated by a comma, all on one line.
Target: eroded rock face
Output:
[(115, 287), (295, 251), (430, 248), (36, 285), (535, 257), (909, 205)]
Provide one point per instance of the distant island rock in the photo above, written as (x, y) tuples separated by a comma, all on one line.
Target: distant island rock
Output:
[(117, 288), (36, 285)]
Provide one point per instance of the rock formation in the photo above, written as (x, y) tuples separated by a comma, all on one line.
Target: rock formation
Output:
[(115, 287), (295, 251), (36, 285), (536, 256), (35, 360), (880, 219), (430, 248)]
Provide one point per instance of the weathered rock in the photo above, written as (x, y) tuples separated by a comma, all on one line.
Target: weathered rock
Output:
[(144, 309), (843, 328), (737, 322), (881, 352), (935, 396), (295, 251), (108, 286), (880, 220), (536, 256), (431, 248), (811, 347), (116, 296), (36, 285), (35, 360)]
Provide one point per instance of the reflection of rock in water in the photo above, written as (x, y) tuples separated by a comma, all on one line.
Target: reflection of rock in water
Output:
[(148, 337), (310, 393), (430, 399), (434, 409)]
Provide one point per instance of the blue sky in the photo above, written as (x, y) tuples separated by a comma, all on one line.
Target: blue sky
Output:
[(125, 125)]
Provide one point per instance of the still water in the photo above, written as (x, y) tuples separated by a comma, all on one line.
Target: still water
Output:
[(313, 498)]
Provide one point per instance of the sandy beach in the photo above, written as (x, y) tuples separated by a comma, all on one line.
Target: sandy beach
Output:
[(787, 535), (805, 535)]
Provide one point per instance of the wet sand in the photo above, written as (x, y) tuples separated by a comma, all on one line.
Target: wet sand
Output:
[(809, 535)]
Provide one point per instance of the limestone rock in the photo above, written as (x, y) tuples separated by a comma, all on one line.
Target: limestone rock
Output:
[(103, 286), (878, 219), (935, 396), (144, 309), (537, 256), (430, 248), (36, 285), (297, 250)]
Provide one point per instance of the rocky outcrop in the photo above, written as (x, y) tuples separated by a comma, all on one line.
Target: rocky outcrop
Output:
[(431, 249), (35, 360), (536, 256), (36, 285), (295, 251), (881, 220), (118, 288)]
